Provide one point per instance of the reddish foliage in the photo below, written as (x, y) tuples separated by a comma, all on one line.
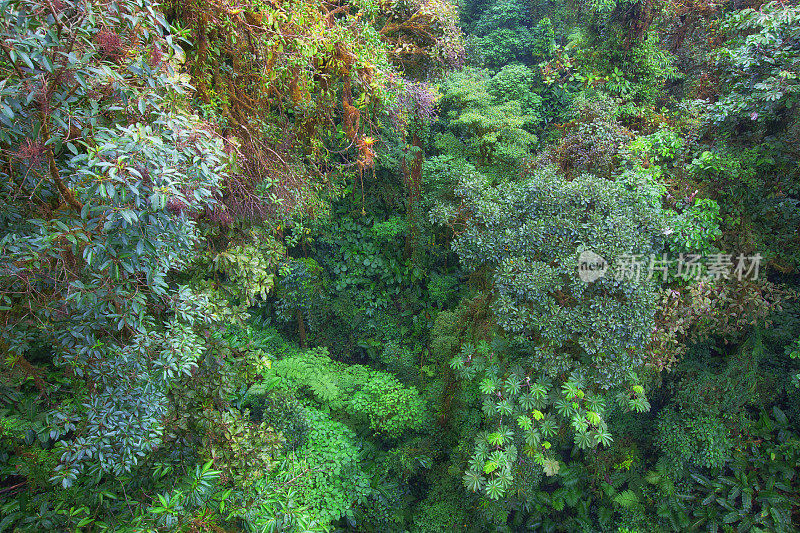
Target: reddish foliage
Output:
[(176, 206), (156, 56), (110, 45), (31, 151)]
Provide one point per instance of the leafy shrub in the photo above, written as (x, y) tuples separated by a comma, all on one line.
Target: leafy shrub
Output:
[(97, 122), (592, 142), (330, 479), (372, 398), (531, 234), (497, 127), (702, 440), (281, 411)]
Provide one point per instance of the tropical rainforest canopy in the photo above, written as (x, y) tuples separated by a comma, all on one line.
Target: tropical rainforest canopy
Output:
[(399, 265)]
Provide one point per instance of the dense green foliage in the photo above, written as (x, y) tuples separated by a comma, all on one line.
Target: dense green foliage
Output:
[(380, 266)]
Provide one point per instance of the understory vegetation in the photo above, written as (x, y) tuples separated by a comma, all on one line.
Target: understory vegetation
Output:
[(408, 266)]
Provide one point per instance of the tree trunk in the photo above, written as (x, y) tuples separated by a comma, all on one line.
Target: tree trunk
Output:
[(301, 329)]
